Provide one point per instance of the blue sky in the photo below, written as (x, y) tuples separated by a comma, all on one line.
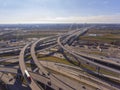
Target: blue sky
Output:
[(59, 11)]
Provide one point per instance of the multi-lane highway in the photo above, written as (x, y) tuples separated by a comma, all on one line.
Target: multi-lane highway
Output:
[(23, 67), (44, 75)]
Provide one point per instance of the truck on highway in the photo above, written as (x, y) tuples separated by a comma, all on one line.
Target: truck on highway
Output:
[(27, 76)]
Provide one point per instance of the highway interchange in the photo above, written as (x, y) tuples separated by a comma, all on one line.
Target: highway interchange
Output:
[(46, 75)]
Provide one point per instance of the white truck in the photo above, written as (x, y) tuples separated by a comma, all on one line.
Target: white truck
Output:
[(28, 76)]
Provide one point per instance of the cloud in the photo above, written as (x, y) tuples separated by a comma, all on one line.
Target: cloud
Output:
[(71, 19), (80, 19)]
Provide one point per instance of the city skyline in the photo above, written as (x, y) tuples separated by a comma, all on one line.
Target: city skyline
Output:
[(59, 11)]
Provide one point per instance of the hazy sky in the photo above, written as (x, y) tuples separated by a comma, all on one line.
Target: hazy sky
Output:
[(59, 11)]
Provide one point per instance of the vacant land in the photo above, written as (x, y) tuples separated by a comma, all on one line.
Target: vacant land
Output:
[(104, 36), (54, 59)]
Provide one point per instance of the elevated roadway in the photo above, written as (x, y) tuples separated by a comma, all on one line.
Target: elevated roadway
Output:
[(44, 71), (23, 67)]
